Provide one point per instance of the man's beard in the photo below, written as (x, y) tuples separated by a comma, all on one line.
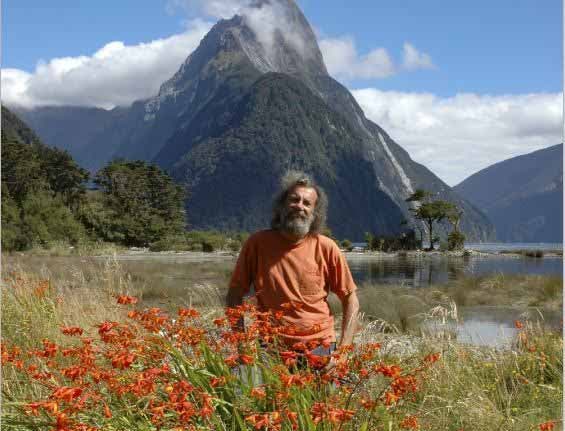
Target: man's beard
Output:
[(295, 223)]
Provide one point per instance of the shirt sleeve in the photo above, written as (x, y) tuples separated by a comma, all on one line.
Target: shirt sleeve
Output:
[(341, 280), (244, 270)]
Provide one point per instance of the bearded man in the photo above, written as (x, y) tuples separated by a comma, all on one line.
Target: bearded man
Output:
[(293, 267)]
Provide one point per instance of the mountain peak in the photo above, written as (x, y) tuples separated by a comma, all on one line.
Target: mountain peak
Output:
[(273, 35)]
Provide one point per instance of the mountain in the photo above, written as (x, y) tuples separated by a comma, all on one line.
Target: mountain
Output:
[(252, 101), (15, 130), (522, 196)]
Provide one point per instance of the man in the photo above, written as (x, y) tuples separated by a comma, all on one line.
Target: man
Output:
[(293, 268)]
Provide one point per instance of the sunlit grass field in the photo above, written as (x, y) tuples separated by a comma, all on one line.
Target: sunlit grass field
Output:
[(168, 369)]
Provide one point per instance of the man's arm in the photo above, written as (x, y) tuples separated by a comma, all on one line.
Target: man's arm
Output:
[(350, 308), (235, 296)]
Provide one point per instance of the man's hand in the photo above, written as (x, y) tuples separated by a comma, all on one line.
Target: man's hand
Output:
[(330, 365), (350, 306)]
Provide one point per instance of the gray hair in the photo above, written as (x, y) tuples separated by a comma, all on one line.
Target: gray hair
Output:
[(289, 181)]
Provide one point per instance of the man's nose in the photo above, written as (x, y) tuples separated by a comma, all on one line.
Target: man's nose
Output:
[(298, 205)]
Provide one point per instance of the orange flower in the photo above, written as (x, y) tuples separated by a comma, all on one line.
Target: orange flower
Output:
[(107, 411), (71, 330), (231, 361), (66, 393), (432, 357), (258, 393), (410, 422), (518, 324), (388, 371), (123, 359), (368, 404), (246, 359), (41, 288), (220, 322), (391, 398), (547, 426), (288, 357), (188, 312), (217, 381), (125, 299), (317, 362)]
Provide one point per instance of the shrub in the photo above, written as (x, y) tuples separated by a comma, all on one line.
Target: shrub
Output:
[(47, 220), (455, 240), (170, 243), (207, 241), (532, 253), (143, 202), (347, 245)]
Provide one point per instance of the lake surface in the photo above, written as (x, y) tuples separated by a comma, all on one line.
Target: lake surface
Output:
[(425, 270), (499, 246)]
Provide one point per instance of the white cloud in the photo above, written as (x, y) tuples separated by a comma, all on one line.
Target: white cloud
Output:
[(414, 59), (116, 74), (458, 136), (220, 9), (344, 62)]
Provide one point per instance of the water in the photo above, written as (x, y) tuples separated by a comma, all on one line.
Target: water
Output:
[(426, 270), (495, 247), (499, 246)]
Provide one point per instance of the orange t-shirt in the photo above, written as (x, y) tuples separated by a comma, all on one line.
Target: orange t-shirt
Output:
[(284, 272)]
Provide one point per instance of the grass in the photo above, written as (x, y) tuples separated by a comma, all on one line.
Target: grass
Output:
[(528, 253), (469, 387), (406, 308)]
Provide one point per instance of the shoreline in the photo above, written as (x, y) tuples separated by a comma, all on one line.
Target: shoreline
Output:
[(200, 256)]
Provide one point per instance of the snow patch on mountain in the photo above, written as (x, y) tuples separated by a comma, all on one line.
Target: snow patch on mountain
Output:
[(401, 174)]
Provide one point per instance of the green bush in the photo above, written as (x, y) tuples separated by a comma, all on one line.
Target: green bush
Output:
[(47, 220), (143, 204), (455, 240), (532, 253), (170, 243), (207, 241), (347, 245)]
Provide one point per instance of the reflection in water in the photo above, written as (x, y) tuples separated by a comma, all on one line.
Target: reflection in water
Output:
[(425, 271)]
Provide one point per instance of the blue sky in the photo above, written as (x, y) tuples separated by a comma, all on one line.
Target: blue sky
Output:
[(438, 75)]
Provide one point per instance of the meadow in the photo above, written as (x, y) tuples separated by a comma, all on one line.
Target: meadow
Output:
[(95, 347)]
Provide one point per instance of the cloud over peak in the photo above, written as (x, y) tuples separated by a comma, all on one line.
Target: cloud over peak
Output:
[(344, 62), (116, 74), (414, 59), (457, 136)]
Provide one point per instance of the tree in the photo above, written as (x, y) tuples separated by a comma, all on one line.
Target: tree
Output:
[(456, 238), (430, 211), (143, 202), (41, 191), (63, 174)]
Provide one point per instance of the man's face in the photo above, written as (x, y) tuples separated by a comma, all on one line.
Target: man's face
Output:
[(298, 212)]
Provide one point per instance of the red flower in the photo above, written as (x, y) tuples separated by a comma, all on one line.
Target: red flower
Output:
[(410, 422), (246, 359), (66, 393), (258, 393), (188, 312), (547, 426), (125, 299), (71, 330)]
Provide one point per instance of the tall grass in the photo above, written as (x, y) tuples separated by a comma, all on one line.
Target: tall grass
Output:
[(469, 387)]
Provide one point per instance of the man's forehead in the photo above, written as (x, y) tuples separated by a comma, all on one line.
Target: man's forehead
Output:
[(305, 191)]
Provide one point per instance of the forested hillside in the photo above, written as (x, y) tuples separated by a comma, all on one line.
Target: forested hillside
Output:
[(45, 200)]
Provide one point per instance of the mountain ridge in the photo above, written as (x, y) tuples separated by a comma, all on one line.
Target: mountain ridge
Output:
[(206, 99), (522, 195)]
